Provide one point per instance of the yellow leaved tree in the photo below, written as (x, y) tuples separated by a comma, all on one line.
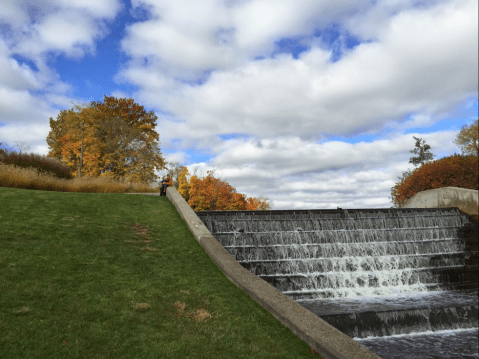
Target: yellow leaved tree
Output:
[(114, 138)]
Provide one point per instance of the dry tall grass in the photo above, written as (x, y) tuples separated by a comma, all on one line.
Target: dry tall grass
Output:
[(27, 178)]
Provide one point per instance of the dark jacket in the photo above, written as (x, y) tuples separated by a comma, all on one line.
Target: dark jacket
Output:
[(168, 182)]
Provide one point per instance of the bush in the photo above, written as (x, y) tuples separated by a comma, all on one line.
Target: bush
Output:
[(40, 163), (29, 178), (453, 171)]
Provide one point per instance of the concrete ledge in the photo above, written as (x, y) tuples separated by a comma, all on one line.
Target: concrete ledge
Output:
[(464, 199), (329, 342)]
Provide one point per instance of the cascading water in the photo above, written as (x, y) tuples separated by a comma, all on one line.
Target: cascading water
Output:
[(402, 282)]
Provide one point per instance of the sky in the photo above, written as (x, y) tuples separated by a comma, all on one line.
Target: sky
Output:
[(312, 104)]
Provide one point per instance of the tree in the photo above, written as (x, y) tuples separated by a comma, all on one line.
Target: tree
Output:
[(174, 170), (115, 138), (424, 156), (72, 140), (468, 139), (83, 120), (212, 194), (455, 171), (3, 149), (422, 150), (183, 186), (127, 132), (22, 146), (260, 203)]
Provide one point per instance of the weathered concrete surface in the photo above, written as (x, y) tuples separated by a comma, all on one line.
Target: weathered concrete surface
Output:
[(329, 342), (464, 199)]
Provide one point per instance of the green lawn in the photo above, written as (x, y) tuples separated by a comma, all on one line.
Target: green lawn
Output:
[(99, 275)]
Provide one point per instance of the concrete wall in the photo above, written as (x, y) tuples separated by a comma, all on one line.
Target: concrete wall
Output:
[(329, 342), (465, 199)]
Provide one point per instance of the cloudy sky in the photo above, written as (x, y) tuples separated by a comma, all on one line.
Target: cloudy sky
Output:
[(313, 104)]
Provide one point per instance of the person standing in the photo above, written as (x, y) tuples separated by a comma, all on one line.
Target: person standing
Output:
[(160, 184), (164, 184)]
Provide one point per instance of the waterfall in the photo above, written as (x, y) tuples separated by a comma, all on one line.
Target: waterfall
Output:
[(369, 273)]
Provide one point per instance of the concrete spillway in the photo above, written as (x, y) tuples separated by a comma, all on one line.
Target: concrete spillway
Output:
[(402, 282)]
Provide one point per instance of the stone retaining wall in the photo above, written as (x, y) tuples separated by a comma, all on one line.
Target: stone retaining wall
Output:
[(464, 199)]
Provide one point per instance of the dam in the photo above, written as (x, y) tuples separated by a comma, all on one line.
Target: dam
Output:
[(402, 282)]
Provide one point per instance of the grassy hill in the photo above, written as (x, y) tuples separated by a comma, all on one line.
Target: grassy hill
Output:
[(113, 275)]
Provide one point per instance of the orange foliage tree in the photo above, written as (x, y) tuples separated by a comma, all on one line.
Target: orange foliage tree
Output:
[(71, 140), (453, 171), (212, 194), (114, 138)]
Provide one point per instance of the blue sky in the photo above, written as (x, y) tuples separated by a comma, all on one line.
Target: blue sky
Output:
[(308, 103)]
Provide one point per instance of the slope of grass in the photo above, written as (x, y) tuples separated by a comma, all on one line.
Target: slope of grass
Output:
[(111, 275)]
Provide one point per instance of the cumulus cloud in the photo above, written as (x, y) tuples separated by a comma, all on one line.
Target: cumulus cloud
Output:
[(294, 173), (419, 64), (219, 68), (189, 37), (31, 90), (14, 75)]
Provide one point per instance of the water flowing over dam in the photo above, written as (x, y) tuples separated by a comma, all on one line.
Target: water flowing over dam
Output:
[(401, 282)]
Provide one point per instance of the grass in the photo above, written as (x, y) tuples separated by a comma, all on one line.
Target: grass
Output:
[(111, 275), (29, 178)]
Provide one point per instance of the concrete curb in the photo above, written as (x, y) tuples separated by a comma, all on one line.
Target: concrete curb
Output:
[(329, 342)]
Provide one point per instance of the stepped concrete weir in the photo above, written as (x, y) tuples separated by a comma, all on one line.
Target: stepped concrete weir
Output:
[(402, 282), (362, 283)]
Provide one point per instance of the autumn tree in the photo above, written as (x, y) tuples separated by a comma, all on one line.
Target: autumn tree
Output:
[(468, 139), (259, 203), (422, 150), (81, 121), (183, 186), (453, 171), (212, 194), (114, 138), (127, 132), (72, 139)]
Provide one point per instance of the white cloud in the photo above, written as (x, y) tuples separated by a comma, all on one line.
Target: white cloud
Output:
[(371, 23), (100, 9), (319, 175), (21, 107), (9, 134), (30, 95), (190, 36), (179, 157), (292, 156), (12, 13), (15, 75), (195, 63), (420, 64), (260, 23), (60, 31)]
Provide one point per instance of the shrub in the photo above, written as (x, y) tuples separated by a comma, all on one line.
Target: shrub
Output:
[(453, 171), (29, 178), (40, 163)]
